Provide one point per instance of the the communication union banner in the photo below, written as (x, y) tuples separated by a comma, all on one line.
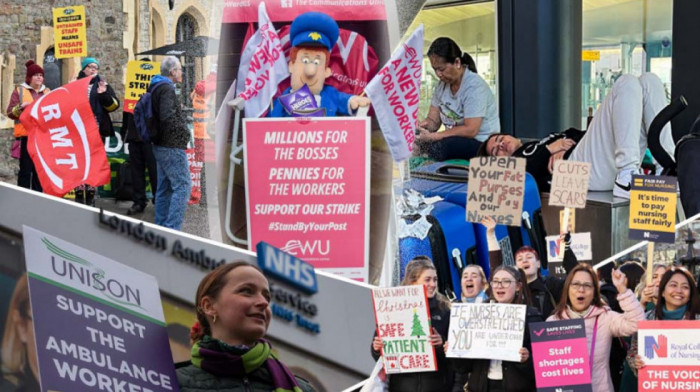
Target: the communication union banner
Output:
[(307, 190)]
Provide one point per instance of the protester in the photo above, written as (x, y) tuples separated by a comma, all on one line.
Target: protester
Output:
[(474, 284), (421, 271), (507, 286), (229, 351), (582, 300), (20, 369), (462, 102), (545, 291), (103, 100), (614, 144), (650, 294), (679, 300), (169, 146), (140, 159), (22, 96)]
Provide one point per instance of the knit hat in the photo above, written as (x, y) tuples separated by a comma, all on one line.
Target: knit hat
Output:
[(87, 61), (32, 69)]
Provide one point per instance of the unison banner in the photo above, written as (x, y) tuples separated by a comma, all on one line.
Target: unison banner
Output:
[(307, 190), (98, 324), (671, 353)]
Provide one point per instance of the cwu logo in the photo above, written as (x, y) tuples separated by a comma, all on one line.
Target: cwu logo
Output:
[(297, 247), (658, 346)]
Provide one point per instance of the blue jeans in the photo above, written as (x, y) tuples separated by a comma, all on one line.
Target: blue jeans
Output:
[(174, 186)]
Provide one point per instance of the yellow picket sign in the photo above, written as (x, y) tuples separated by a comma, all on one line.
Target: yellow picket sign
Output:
[(138, 78), (70, 32)]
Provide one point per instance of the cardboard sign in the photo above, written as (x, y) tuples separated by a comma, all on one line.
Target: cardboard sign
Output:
[(670, 351), (569, 184), (95, 320), (560, 355), (138, 78), (488, 331), (403, 324), (70, 32), (653, 208), (307, 190), (580, 244), (496, 188)]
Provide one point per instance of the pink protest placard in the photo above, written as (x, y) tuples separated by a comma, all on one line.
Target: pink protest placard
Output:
[(670, 352), (560, 356), (307, 190)]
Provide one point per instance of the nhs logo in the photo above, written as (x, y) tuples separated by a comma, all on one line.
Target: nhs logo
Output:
[(286, 267)]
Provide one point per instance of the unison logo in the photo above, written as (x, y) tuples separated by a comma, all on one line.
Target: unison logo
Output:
[(658, 346), (81, 272)]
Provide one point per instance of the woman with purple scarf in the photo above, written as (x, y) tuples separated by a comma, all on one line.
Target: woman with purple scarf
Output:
[(229, 352)]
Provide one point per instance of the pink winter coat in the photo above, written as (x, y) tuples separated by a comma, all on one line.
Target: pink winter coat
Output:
[(610, 324)]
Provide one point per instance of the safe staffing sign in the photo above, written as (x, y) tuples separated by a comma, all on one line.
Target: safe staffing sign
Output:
[(70, 32), (307, 189)]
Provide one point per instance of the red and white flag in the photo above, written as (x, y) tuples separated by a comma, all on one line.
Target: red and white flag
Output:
[(262, 68), (395, 95), (64, 140)]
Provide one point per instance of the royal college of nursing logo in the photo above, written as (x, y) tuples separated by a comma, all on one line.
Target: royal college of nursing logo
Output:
[(658, 346)]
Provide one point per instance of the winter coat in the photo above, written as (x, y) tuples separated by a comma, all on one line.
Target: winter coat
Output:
[(443, 379), (102, 105), (194, 379), (168, 118), (517, 377), (610, 324)]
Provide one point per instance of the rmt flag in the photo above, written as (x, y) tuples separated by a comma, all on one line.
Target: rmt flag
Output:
[(262, 67), (395, 94), (64, 141)]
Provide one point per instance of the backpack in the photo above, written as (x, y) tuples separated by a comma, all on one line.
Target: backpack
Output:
[(143, 115)]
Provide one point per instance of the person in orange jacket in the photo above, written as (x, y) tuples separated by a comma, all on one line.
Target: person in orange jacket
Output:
[(23, 96)]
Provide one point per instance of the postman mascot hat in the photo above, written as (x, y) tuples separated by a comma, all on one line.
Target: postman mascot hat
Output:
[(314, 29)]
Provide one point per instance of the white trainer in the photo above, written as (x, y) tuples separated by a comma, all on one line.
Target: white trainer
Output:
[(623, 183)]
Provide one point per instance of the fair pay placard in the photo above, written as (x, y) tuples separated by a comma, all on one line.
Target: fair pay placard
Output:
[(403, 324)]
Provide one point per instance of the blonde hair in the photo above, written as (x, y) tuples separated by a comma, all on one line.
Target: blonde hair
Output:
[(14, 351), (477, 267), (414, 269)]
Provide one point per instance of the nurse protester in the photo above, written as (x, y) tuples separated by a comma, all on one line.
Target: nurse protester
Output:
[(581, 299)]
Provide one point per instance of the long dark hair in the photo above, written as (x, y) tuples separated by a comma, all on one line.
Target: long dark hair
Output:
[(634, 273), (693, 306), (564, 300), (449, 50), (414, 269), (522, 297)]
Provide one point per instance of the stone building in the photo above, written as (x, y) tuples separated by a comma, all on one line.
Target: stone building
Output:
[(116, 32)]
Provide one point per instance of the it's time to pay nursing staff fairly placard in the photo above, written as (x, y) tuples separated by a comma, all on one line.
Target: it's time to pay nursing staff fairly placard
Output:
[(307, 189), (98, 324)]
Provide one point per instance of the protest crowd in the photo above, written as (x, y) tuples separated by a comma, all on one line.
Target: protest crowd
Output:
[(499, 320)]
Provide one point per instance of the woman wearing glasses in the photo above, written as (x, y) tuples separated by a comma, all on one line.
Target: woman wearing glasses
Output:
[(678, 300), (581, 299), (507, 286), (462, 102)]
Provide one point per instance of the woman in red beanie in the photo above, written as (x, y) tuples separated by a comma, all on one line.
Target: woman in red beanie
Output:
[(23, 95)]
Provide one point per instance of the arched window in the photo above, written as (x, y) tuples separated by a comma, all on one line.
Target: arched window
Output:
[(186, 29), (52, 69)]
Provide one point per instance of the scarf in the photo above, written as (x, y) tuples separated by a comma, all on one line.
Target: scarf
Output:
[(577, 315), (223, 360), (674, 314)]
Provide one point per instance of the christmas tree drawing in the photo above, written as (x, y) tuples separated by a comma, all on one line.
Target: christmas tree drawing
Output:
[(416, 329)]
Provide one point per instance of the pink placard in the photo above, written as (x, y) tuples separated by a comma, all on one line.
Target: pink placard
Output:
[(307, 190), (670, 352), (560, 355), (238, 11)]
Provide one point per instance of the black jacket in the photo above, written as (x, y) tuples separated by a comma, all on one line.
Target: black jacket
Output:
[(102, 105), (193, 379), (517, 377), (443, 379), (168, 118)]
